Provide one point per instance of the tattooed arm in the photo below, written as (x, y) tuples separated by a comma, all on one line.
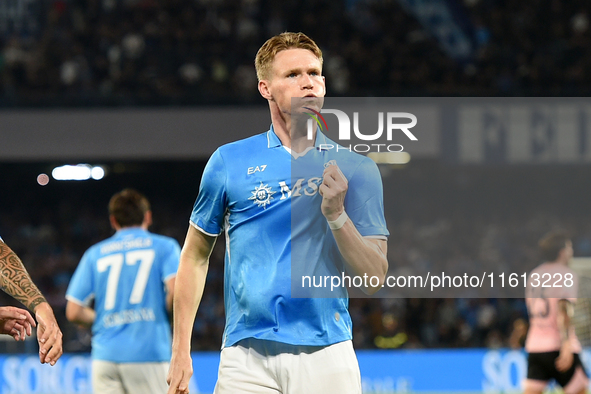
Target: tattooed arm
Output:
[(15, 281)]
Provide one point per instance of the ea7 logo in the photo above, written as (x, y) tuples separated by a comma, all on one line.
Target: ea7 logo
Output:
[(310, 189), (252, 170), (345, 125)]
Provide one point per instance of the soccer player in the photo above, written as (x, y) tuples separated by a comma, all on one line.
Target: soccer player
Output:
[(131, 277), (331, 209), (552, 345), (15, 281)]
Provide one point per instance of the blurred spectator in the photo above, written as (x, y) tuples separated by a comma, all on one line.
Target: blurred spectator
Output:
[(518, 334), (392, 337), (147, 52)]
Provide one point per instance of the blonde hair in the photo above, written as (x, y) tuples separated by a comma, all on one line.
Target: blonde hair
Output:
[(274, 45)]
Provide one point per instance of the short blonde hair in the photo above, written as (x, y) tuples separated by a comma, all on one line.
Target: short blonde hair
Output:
[(274, 45)]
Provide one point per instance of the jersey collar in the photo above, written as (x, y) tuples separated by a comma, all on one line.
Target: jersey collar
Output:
[(273, 141), (129, 230)]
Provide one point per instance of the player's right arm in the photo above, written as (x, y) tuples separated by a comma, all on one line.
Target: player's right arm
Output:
[(80, 314), (81, 291), (188, 290), (169, 294), (565, 357)]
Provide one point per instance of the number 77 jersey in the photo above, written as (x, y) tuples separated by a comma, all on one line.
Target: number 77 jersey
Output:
[(126, 276)]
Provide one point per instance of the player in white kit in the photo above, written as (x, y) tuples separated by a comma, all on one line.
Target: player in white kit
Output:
[(552, 345)]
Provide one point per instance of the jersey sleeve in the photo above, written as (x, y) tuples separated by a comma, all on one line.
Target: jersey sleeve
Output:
[(364, 202), (170, 260), (81, 287), (210, 206)]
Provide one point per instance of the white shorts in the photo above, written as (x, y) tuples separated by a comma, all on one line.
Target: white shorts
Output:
[(266, 367), (129, 378)]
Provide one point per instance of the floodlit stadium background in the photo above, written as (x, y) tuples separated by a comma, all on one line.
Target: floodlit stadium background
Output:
[(148, 89)]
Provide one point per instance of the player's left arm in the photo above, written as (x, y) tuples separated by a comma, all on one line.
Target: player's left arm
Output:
[(15, 281), (362, 255), (565, 313)]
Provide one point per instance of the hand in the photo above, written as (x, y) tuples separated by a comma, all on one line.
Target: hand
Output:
[(49, 335), (16, 322), (179, 373), (565, 358), (333, 190)]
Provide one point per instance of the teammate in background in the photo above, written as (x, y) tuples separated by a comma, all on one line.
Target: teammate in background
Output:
[(15, 281), (274, 343), (131, 278), (552, 345)]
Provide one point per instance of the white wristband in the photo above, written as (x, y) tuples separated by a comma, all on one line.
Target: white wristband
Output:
[(340, 222)]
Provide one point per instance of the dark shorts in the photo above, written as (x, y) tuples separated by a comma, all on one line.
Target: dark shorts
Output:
[(540, 366)]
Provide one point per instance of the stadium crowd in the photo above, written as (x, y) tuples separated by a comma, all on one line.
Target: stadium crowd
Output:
[(477, 220), (149, 52)]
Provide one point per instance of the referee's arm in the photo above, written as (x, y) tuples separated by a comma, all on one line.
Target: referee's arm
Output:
[(188, 290)]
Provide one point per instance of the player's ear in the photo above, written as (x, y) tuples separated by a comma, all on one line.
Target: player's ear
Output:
[(264, 89), (114, 223), (147, 219)]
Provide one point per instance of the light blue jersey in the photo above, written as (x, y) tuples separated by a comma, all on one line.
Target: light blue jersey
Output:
[(268, 204), (126, 276)]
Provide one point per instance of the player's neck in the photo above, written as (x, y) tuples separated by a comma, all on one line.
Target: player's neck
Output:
[(138, 227), (291, 136)]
